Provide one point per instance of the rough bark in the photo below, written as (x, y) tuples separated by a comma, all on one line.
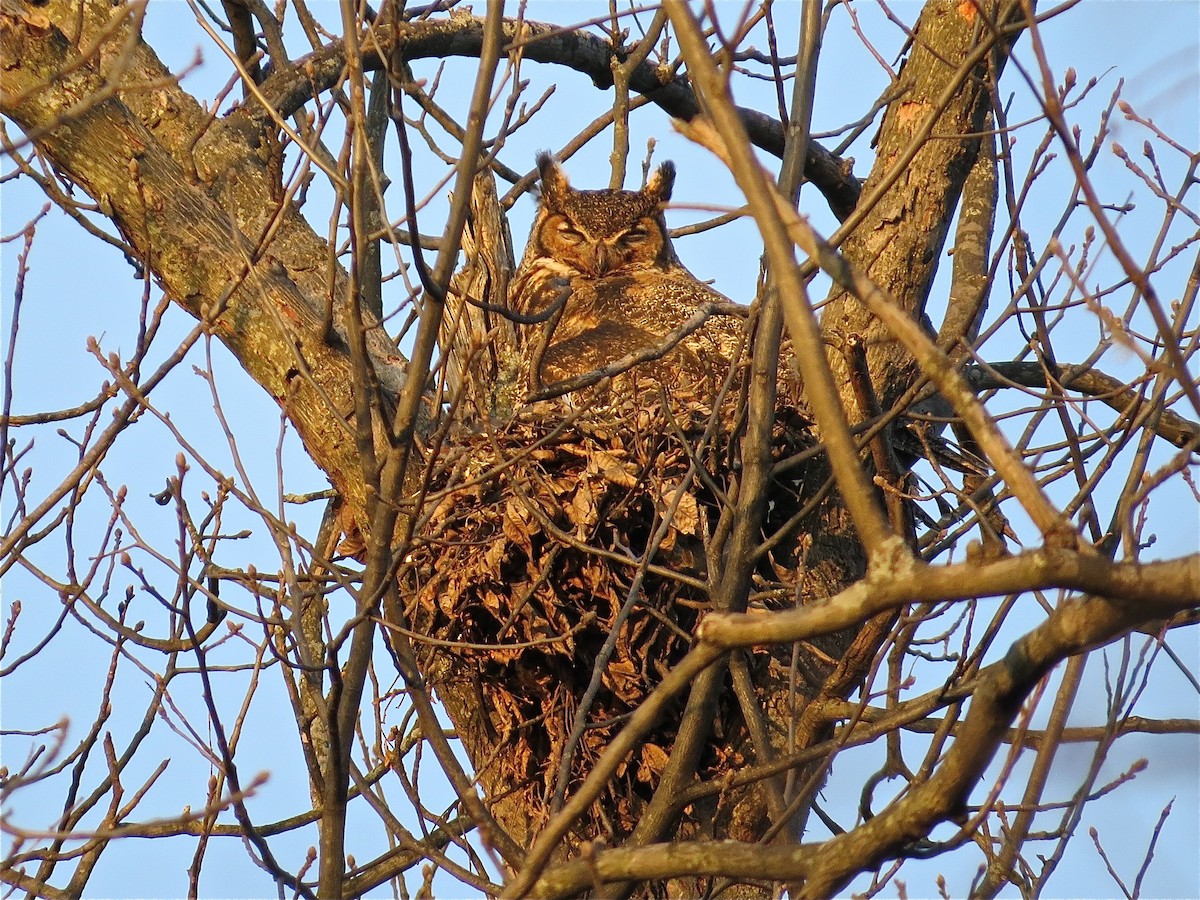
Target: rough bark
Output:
[(926, 146), (199, 202)]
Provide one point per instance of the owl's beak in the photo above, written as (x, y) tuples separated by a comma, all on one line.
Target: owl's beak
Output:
[(602, 259)]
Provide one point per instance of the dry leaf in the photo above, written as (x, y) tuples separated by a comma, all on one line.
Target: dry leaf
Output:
[(583, 510), (653, 761), (687, 513), (613, 468)]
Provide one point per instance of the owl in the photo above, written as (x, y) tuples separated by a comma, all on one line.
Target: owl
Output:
[(602, 281)]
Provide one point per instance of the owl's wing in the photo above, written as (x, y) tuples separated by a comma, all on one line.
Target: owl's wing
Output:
[(662, 301), (594, 348)]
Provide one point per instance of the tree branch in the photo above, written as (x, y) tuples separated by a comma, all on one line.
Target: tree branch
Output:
[(1110, 391), (1155, 589), (588, 54)]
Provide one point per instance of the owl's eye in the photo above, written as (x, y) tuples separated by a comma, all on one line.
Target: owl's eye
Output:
[(634, 236), (568, 234)]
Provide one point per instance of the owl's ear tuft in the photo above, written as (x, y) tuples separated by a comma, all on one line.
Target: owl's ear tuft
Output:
[(662, 181), (553, 178)]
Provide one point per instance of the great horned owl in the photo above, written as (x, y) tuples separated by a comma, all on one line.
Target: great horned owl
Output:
[(600, 267)]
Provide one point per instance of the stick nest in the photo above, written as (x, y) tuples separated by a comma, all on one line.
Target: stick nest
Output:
[(547, 535)]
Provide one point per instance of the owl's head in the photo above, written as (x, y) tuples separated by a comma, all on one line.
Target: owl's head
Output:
[(605, 232)]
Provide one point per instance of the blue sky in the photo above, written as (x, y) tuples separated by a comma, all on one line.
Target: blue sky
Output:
[(78, 288)]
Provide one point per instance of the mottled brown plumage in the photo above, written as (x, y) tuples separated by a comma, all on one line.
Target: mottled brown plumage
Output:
[(600, 265)]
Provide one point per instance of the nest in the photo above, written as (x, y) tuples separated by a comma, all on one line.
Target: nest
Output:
[(544, 537)]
